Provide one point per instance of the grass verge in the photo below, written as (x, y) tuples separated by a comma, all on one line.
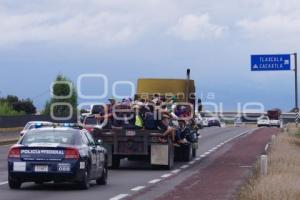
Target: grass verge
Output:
[(14, 129), (283, 179)]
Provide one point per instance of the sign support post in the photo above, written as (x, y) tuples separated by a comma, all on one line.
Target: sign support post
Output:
[(296, 83)]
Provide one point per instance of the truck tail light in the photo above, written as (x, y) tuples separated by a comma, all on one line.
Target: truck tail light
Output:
[(71, 153), (14, 152)]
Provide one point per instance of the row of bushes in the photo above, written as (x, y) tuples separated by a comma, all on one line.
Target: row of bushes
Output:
[(12, 106)]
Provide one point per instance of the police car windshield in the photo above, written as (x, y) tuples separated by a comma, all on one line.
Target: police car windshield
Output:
[(54, 137)]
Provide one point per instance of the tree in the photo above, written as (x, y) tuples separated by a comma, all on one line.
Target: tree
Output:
[(20, 106), (10, 99), (24, 105), (61, 88)]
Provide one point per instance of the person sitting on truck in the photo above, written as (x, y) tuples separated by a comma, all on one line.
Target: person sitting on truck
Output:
[(150, 120), (164, 126), (181, 132), (122, 117)]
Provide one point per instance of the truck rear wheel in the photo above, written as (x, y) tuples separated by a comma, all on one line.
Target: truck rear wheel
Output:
[(170, 157), (187, 152), (194, 152)]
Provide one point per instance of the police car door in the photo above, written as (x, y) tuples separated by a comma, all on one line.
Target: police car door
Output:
[(92, 155), (96, 154)]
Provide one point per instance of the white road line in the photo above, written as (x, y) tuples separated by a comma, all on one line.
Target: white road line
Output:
[(203, 156), (138, 188), (3, 183), (192, 162), (198, 159), (206, 153), (184, 166), (154, 181), (176, 171), (120, 196), (166, 175)]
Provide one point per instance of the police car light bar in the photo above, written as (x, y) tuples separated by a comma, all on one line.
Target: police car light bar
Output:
[(54, 125)]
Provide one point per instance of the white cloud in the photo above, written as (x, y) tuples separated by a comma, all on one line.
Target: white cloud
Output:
[(89, 22), (197, 27), (272, 27), (273, 21), (103, 28)]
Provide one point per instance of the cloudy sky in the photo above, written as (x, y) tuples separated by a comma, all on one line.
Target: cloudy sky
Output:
[(129, 39)]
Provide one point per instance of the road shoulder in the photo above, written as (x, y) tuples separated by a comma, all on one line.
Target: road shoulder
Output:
[(228, 168)]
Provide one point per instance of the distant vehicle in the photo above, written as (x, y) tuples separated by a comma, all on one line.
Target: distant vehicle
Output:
[(263, 121), (213, 121), (201, 120), (59, 154), (274, 116), (238, 122), (32, 125)]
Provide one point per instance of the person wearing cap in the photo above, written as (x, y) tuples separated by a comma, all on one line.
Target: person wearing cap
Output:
[(165, 127)]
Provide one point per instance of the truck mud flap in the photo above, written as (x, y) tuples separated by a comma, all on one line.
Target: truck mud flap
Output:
[(162, 155), (159, 154)]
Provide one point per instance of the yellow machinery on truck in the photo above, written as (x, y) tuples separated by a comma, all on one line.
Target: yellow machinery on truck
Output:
[(145, 144)]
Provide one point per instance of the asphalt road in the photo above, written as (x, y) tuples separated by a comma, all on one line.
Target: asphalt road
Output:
[(132, 178)]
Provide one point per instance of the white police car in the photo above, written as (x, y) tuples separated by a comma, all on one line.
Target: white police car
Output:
[(60, 154)]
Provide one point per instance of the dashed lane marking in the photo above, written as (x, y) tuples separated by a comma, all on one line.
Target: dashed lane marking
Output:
[(192, 162), (154, 181), (184, 166), (166, 175), (120, 196), (137, 188), (176, 171), (3, 183)]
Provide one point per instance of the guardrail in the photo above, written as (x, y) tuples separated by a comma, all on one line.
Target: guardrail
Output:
[(286, 117), (20, 121)]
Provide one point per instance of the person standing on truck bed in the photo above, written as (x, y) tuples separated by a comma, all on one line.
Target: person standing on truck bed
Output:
[(138, 123)]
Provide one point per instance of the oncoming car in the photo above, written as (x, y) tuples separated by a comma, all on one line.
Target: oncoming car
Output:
[(34, 124), (263, 121), (57, 154)]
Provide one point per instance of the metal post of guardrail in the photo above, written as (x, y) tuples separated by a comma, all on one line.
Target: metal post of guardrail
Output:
[(273, 139), (263, 165)]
